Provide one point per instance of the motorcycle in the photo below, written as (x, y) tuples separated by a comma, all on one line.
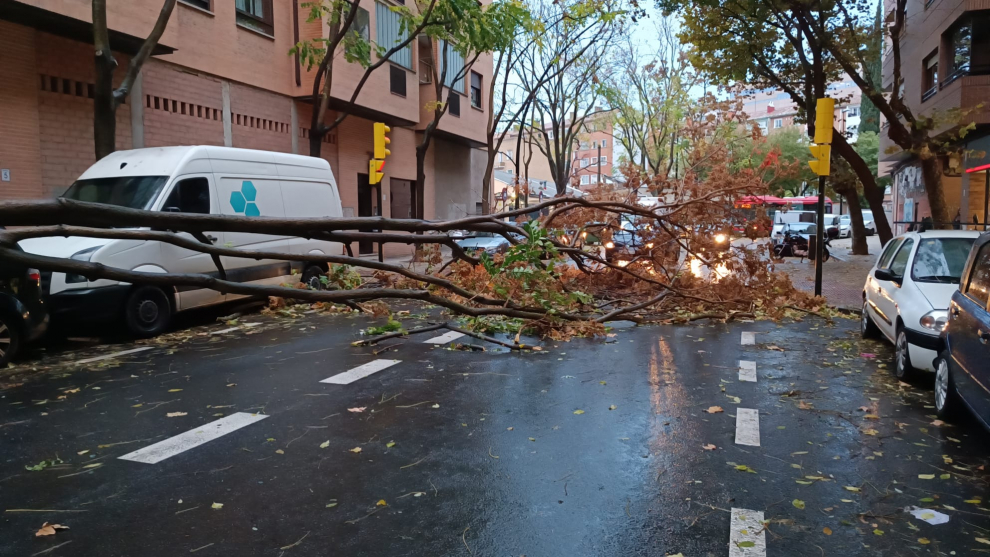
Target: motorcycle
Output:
[(797, 245)]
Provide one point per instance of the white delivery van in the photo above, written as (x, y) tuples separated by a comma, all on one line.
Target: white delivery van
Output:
[(196, 179), (780, 218)]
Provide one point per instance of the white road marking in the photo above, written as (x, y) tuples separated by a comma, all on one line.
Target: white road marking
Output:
[(748, 338), (360, 372), (114, 355), (747, 371), (746, 527), (444, 338), (153, 454), (748, 427)]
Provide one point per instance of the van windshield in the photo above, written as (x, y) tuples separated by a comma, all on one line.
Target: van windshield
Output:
[(135, 192)]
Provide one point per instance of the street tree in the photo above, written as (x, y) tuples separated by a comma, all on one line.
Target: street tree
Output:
[(346, 40), (568, 100), (763, 44), (470, 30), (106, 98), (649, 96), (846, 31)]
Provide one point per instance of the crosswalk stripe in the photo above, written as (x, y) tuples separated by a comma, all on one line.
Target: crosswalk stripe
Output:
[(360, 372), (748, 427), (114, 355), (747, 371), (444, 338), (153, 454), (745, 528), (748, 338)]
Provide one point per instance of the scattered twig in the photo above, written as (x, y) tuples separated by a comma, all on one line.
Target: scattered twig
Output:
[(187, 510), (377, 339), (46, 511), (297, 438), (387, 348), (356, 520), (50, 549), (198, 548), (413, 464), (490, 453), (464, 539), (291, 545), (417, 404)]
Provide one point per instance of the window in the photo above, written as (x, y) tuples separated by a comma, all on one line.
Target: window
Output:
[(584, 180), (388, 34), (255, 14), (397, 80), (960, 48), (941, 260), (454, 107), (929, 80), (136, 192), (189, 196), (899, 264), (584, 163), (476, 89), (978, 288), (201, 4), (852, 112), (594, 160), (361, 24), (603, 159), (888, 253), (604, 143), (778, 123), (453, 66), (594, 179)]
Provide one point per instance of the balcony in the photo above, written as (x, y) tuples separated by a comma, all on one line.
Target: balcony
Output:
[(929, 93), (971, 69)]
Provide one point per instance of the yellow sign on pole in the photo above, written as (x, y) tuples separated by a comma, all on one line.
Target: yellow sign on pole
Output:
[(820, 165), (822, 149)]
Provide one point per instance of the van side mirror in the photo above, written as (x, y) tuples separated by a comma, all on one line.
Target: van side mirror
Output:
[(885, 274)]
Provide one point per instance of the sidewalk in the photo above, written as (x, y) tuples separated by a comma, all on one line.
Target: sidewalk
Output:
[(843, 276)]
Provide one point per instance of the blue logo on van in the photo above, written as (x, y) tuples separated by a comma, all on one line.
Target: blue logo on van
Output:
[(243, 201)]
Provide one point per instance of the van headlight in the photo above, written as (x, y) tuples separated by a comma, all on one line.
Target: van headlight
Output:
[(935, 320), (84, 255), (719, 238), (609, 245)]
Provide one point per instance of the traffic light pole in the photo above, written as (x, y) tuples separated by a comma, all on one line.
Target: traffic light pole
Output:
[(820, 236)]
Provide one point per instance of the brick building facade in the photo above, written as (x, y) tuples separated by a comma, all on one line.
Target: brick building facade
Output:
[(217, 78)]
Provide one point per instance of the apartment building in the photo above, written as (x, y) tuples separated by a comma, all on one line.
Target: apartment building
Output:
[(592, 155), (945, 52), (774, 110), (222, 75)]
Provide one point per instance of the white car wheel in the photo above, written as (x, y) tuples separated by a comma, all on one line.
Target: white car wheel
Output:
[(941, 384), (902, 356)]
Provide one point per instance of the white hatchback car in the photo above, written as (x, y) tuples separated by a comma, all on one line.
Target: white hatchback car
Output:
[(906, 295)]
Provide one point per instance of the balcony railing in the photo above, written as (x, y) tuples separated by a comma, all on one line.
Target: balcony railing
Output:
[(982, 69), (929, 93)]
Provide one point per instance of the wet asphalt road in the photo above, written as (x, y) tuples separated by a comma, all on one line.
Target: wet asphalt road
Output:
[(494, 453)]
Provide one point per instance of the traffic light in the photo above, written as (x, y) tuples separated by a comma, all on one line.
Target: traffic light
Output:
[(822, 149), (381, 142), (820, 165), (375, 171)]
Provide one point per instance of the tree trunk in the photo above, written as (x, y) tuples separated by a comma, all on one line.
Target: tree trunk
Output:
[(315, 143), (857, 227), (486, 186), (104, 106), (931, 171), (871, 191)]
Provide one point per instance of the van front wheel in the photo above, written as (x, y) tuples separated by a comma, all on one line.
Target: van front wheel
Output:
[(147, 311), (311, 277)]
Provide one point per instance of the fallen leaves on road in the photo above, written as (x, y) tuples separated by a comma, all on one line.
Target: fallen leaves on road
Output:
[(714, 409), (926, 476), (983, 541), (709, 447), (357, 409), (798, 504), (802, 405), (381, 503), (356, 450), (851, 488), (216, 506), (49, 529), (827, 531), (325, 444), (612, 407), (390, 444), (174, 390), (744, 468), (176, 414), (579, 412)]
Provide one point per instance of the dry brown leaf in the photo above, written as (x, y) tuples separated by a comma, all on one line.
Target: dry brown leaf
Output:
[(827, 531), (804, 405), (358, 409), (175, 414), (714, 409), (709, 447), (50, 529)]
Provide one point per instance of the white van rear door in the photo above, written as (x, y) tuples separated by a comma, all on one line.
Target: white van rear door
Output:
[(253, 197), (192, 194), (311, 199)]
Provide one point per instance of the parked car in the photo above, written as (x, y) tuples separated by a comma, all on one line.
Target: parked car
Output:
[(962, 374), (845, 226), (23, 316), (906, 294), (487, 242), (194, 179), (869, 224), (832, 225)]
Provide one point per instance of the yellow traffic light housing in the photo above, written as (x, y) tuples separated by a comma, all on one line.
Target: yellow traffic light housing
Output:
[(376, 171), (824, 116), (381, 142), (821, 153)]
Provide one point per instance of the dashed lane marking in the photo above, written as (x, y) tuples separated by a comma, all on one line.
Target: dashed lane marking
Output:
[(748, 427), (114, 355), (153, 454), (748, 338), (444, 338), (360, 372), (747, 537), (747, 371)]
